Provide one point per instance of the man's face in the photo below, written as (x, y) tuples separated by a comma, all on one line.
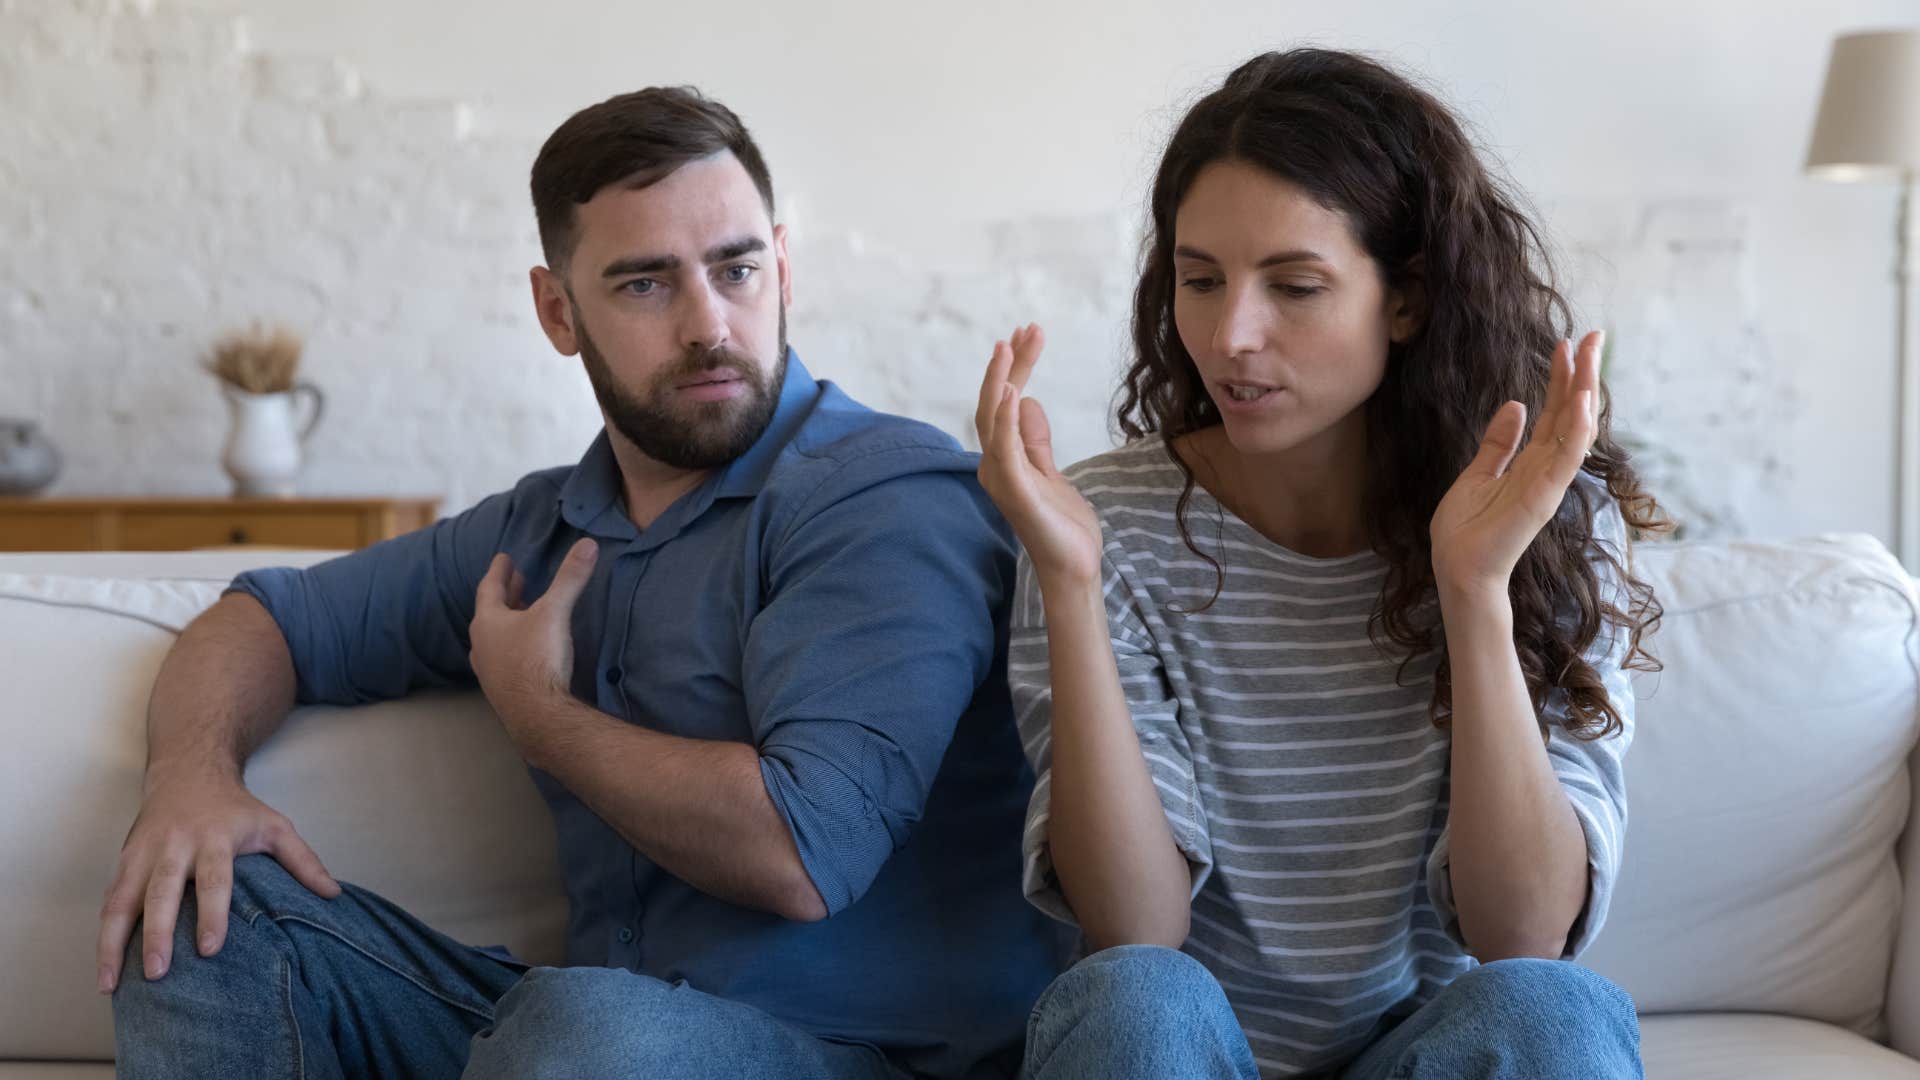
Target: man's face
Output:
[(675, 298)]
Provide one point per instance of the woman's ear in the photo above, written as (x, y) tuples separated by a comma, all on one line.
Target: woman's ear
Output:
[(1407, 301)]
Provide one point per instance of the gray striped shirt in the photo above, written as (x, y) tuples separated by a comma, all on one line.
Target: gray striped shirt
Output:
[(1300, 776)]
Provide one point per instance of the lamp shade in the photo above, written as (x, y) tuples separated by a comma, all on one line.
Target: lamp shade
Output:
[(1869, 125)]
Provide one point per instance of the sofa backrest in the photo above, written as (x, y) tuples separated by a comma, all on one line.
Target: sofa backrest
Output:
[(422, 800), (1768, 782)]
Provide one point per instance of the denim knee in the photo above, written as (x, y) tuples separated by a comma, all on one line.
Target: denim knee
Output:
[(1568, 1008), (257, 880), (1142, 1003), (587, 1021), (187, 1012), (1140, 974), (262, 886), (585, 998)]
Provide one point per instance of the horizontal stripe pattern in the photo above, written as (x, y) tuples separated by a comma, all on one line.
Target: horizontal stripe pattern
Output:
[(1294, 759)]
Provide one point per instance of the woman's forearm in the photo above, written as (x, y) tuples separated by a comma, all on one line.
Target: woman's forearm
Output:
[(1119, 869), (1518, 862)]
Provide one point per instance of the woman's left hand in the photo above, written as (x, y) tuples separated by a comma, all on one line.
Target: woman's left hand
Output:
[(1507, 495)]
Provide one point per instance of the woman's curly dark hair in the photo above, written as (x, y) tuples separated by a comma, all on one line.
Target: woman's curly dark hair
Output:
[(1364, 141)]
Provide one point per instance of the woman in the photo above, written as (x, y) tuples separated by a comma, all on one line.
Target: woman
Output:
[(1323, 672)]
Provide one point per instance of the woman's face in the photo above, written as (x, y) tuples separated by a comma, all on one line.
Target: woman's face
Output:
[(1282, 310)]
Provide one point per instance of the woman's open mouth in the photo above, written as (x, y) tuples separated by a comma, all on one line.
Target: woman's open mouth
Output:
[(1247, 397)]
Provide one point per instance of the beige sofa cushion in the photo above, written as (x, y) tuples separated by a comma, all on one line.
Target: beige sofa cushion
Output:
[(52, 1070), (422, 800), (1731, 1046)]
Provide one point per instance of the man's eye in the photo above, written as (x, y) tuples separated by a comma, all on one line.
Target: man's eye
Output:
[(738, 275), (639, 286)]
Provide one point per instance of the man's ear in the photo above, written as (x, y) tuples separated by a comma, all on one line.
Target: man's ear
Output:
[(780, 260), (1407, 302), (554, 306)]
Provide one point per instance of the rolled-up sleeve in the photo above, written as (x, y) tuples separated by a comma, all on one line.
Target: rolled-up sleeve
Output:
[(884, 612), (1156, 722), (1591, 771), (383, 621)]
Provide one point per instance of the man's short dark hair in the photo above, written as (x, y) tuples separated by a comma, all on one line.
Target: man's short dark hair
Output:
[(636, 139)]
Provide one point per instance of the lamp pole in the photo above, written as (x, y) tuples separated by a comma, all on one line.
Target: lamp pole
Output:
[(1906, 466)]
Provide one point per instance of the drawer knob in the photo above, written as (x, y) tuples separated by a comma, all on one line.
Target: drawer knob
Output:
[(238, 535)]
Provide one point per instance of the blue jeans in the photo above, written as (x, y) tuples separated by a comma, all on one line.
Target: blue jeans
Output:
[(1144, 1011), (355, 986)]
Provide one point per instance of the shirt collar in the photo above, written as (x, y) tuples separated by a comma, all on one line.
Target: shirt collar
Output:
[(593, 489), (592, 492), (744, 476)]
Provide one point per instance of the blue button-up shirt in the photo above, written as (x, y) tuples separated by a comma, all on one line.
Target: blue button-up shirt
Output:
[(836, 596)]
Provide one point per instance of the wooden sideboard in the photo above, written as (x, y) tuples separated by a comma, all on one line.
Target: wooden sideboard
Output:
[(146, 524)]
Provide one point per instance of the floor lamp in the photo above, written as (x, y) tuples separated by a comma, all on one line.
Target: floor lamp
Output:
[(1869, 129)]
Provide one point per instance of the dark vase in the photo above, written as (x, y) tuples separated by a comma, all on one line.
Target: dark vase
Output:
[(28, 462)]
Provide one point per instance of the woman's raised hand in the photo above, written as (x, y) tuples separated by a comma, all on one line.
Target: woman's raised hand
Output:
[(1057, 527), (1507, 494)]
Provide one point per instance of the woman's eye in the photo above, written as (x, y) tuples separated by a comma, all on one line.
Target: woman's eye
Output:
[(1198, 284), (1301, 292)]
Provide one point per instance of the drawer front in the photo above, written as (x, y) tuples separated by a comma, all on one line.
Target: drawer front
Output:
[(180, 530), (43, 531)]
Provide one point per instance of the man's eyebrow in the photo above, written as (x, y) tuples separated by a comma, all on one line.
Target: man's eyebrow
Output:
[(1276, 259), (641, 264), (654, 264), (733, 249)]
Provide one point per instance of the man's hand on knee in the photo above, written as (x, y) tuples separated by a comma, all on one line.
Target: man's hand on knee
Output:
[(191, 827)]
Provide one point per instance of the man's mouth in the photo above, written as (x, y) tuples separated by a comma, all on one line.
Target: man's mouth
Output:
[(711, 378), (723, 384)]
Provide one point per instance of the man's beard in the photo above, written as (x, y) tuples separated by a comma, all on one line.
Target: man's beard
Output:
[(693, 435)]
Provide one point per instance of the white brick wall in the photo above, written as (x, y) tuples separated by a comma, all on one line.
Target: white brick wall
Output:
[(166, 181), (172, 184)]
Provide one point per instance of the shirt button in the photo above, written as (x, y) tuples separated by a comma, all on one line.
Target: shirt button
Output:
[(626, 936), (614, 675)]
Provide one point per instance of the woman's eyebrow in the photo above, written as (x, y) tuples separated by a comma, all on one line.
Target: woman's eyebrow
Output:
[(1278, 258)]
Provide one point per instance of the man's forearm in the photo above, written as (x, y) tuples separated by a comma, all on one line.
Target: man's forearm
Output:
[(1518, 855), (699, 808), (227, 684)]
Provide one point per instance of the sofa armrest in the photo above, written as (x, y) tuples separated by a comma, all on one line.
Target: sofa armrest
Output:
[(1903, 987)]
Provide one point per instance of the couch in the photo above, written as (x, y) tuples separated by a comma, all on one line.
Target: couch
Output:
[(1767, 920)]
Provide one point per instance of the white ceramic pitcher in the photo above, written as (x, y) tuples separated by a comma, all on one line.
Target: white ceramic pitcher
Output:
[(263, 453)]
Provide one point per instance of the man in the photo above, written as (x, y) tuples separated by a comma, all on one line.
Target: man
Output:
[(752, 646)]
